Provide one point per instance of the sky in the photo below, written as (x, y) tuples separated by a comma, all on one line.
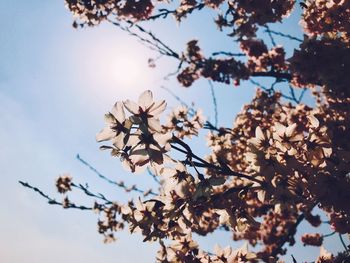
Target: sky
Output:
[(56, 83)]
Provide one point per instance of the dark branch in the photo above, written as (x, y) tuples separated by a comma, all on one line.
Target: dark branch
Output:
[(214, 102), (273, 74), (152, 41), (155, 177), (52, 201), (228, 54), (268, 31), (164, 13), (343, 243), (119, 184), (224, 170), (291, 232), (89, 193), (284, 35)]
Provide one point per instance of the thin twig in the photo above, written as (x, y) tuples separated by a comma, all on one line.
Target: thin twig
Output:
[(224, 170), (328, 235), (291, 90), (157, 40), (272, 90), (214, 102), (342, 242), (268, 31), (119, 184), (153, 43), (191, 110), (273, 74), (301, 95), (163, 13), (284, 35), (228, 54), (52, 201), (207, 125), (89, 193), (285, 238), (155, 177)]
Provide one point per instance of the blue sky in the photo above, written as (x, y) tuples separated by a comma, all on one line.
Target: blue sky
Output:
[(55, 85)]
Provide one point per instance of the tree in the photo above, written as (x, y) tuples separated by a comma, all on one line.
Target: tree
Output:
[(267, 173)]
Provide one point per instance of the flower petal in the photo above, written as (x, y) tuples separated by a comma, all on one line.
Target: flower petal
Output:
[(118, 112), (157, 108), (109, 119), (259, 134), (162, 139), (313, 121), (291, 129), (154, 125), (134, 140), (280, 129), (139, 157), (131, 106), (118, 141), (105, 134), (146, 99)]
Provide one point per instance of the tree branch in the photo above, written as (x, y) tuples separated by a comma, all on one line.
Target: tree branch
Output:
[(119, 184), (225, 170), (165, 12), (52, 201), (273, 74), (283, 35)]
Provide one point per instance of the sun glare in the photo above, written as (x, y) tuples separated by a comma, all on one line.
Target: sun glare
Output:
[(118, 70), (128, 71)]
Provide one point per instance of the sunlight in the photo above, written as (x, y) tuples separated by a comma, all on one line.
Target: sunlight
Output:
[(115, 69), (128, 70)]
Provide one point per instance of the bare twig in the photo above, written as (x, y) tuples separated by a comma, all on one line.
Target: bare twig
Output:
[(301, 95), (170, 51), (155, 177), (52, 201), (270, 35), (166, 77), (214, 102), (191, 110), (328, 235), (283, 35), (272, 90), (152, 41), (119, 184), (283, 240), (273, 74), (208, 125), (223, 170), (89, 193), (228, 54), (164, 13), (342, 242)]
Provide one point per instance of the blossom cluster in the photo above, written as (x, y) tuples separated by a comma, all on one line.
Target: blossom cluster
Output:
[(268, 60), (220, 70), (63, 184), (322, 62), (139, 139), (92, 12), (185, 123), (327, 18)]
